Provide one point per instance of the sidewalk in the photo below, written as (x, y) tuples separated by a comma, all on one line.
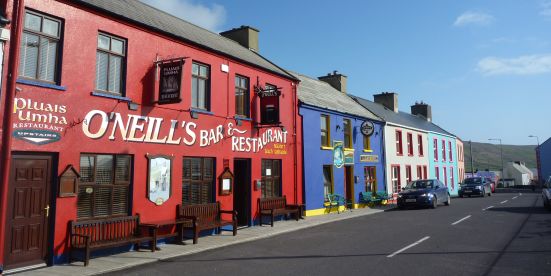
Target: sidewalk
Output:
[(133, 258)]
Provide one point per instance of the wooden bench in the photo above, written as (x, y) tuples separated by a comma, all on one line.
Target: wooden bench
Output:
[(204, 217), (277, 206), (94, 234)]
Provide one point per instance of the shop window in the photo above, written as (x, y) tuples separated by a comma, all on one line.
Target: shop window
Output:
[(242, 98), (370, 179), (325, 131), (347, 126), (200, 86), (110, 64), (197, 180), (327, 180), (399, 148), (271, 178), (420, 144), (410, 144), (104, 188), (396, 182), (40, 48)]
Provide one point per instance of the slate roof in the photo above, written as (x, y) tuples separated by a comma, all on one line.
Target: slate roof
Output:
[(161, 22), (400, 118), (320, 94)]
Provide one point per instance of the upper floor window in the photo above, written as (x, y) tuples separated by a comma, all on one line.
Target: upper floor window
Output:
[(410, 144), (200, 86), (450, 154), (435, 146), (367, 142), (110, 64), (40, 43), (420, 144), (242, 96), (325, 135), (399, 148), (347, 125), (269, 105), (443, 150)]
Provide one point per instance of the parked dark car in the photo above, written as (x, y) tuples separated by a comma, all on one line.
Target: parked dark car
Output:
[(546, 194), (423, 193), (475, 186)]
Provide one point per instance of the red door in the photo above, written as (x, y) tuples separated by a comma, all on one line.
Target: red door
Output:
[(28, 210)]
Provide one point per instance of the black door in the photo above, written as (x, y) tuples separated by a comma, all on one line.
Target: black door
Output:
[(242, 191)]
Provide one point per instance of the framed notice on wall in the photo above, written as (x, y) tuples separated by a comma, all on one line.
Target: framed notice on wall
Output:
[(159, 178), (170, 82)]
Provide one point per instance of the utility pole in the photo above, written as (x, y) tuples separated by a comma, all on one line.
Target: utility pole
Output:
[(471, 150)]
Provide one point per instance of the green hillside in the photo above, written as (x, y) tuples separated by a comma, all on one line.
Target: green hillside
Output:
[(487, 156)]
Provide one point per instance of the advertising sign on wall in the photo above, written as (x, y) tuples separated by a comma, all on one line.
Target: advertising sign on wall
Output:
[(369, 158), (338, 154), (348, 157), (160, 175), (170, 82)]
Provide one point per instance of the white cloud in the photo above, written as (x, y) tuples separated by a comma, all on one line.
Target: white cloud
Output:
[(523, 65), (473, 18), (211, 18), (546, 9)]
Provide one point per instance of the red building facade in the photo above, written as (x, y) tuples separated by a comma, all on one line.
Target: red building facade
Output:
[(87, 99)]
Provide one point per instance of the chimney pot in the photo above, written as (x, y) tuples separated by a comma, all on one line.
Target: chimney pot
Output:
[(247, 36), (336, 80), (388, 100), (422, 109)]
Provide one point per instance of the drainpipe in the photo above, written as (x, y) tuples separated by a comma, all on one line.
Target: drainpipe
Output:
[(295, 156), (13, 64)]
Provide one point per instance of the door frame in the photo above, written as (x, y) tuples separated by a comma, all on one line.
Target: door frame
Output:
[(349, 183), (248, 189), (51, 192)]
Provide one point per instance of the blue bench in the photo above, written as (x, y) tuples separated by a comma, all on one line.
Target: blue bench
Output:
[(335, 200)]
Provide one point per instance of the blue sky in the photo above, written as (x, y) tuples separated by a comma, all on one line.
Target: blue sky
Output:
[(484, 66)]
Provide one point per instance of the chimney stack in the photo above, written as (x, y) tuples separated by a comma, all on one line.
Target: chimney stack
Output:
[(247, 36), (336, 80), (422, 109), (388, 100)]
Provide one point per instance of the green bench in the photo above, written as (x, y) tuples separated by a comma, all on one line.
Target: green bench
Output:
[(369, 198), (335, 200)]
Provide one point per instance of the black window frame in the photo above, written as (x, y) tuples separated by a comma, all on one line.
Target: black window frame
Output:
[(247, 96), (109, 54), (201, 183), (41, 35), (84, 185), (207, 79)]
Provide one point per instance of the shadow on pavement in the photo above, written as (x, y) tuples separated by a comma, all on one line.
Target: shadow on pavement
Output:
[(521, 210)]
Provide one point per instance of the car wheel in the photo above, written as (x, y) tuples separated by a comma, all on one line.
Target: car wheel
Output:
[(447, 203), (434, 203)]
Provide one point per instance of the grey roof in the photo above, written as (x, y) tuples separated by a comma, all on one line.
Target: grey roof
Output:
[(400, 118), (320, 94), (152, 18)]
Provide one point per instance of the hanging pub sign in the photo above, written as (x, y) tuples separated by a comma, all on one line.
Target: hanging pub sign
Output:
[(269, 103), (170, 81), (159, 178), (367, 128)]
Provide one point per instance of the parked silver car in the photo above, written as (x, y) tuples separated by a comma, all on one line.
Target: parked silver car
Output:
[(546, 194)]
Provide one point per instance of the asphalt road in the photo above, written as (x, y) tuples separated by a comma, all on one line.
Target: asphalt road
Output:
[(511, 238)]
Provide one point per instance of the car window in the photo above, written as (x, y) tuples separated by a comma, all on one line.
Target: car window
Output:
[(421, 184), (474, 180)]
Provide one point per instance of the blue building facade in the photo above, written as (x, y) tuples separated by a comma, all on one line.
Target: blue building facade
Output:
[(442, 156), (329, 118)]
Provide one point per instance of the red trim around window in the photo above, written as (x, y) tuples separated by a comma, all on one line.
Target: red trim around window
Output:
[(445, 176), (420, 144), (450, 151), (443, 150), (399, 145), (399, 178), (437, 172), (435, 145), (409, 177), (410, 143)]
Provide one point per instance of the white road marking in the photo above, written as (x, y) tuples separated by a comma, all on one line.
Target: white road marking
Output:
[(489, 207), (515, 197), (461, 220), (504, 201), (408, 247)]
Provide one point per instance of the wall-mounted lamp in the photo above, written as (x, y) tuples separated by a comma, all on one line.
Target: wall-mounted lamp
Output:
[(132, 106), (194, 114)]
